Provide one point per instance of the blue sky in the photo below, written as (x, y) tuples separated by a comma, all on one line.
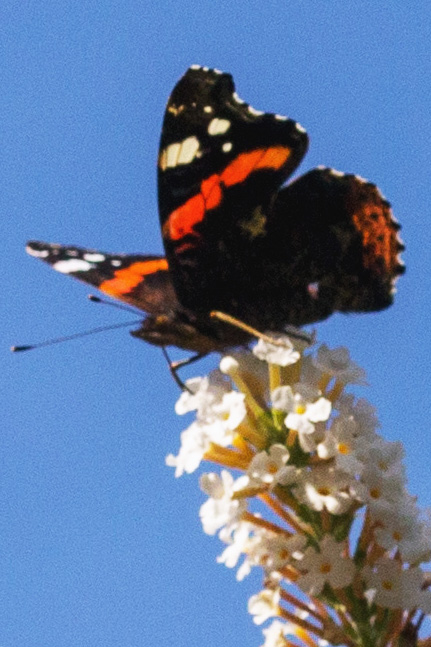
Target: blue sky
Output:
[(99, 544)]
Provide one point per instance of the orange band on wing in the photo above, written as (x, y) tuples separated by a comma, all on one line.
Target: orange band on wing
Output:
[(380, 252), (183, 220), (126, 279)]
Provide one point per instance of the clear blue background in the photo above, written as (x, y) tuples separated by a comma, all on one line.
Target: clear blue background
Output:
[(99, 544)]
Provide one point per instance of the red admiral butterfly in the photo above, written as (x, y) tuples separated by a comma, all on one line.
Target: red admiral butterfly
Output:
[(236, 242)]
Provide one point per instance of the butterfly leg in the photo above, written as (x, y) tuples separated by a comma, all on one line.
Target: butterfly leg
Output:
[(175, 366)]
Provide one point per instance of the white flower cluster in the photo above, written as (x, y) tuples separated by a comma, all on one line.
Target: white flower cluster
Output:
[(310, 452)]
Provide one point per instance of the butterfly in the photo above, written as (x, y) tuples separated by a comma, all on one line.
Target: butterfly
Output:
[(237, 240)]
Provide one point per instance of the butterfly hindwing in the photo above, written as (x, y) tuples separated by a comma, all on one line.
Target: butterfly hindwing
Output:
[(338, 236)]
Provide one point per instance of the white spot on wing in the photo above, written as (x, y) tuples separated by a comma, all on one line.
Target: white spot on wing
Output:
[(163, 160), (94, 258), (227, 147), (237, 98), (300, 128), (218, 126), (253, 111), (38, 253), (172, 153), (115, 262), (280, 117), (72, 265), (179, 153), (362, 179), (208, 109), (175, 110), (188, 149)]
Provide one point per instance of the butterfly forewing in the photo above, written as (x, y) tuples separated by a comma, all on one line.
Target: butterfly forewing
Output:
[(220, 165), (140, 280)]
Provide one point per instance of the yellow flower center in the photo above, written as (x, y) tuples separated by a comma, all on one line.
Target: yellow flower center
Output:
[(343, 448), (375, 493), (300, 408), (325, 568), (272, 468), (324, 491)]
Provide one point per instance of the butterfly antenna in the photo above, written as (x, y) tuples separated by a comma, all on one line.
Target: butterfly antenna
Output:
[(173, 366), (58, 340), (289, 330), (119, 306)]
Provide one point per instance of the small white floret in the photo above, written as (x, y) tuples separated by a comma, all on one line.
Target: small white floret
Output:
[(338, 364), (328, 565), (280, 352), (264, 605)]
